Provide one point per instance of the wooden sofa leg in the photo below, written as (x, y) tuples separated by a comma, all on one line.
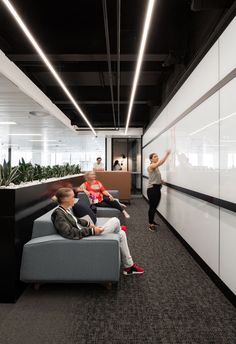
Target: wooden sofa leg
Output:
[(37, 286), (110, 285), (107, 285)]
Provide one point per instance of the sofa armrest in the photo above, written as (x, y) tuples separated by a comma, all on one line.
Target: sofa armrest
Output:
[(108, 212), (43, 225), (114, 193)]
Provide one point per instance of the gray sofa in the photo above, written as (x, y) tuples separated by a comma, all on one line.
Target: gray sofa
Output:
[(48, 257), (102, 211)]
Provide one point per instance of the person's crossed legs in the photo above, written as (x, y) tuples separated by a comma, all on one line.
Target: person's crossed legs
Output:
[(113, 226)]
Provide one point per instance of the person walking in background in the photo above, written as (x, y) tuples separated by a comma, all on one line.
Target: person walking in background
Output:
[(154, 186), (117, 166), (98, 166), (98, 195), (71, 227)]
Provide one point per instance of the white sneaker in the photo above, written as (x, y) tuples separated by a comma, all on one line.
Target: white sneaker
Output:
[(126, 215)]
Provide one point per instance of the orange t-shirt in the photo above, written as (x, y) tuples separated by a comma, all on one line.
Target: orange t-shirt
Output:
[(95, 190)]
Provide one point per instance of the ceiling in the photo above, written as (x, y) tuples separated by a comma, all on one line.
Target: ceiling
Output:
[(75, 37), (29, 131)]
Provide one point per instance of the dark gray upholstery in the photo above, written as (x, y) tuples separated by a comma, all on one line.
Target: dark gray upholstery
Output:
[(102, 211), (43, 226), (53, 258)]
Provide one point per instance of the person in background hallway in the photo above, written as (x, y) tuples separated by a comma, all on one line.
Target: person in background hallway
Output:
[(98, 195), (71, 227), (98, 166), (154, 186), (117, 166)]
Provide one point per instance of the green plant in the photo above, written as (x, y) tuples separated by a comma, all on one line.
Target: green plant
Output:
[(38, 172), (8, 174), (26, 172)]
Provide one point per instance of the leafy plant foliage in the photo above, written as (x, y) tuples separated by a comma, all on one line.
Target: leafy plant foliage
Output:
[(27, 172)]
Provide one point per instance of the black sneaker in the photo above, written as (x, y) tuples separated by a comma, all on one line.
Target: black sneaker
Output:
[(152, 228)]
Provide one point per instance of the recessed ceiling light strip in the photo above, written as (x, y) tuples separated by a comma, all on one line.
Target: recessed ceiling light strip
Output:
[(106, 27), (118, 61), (140, 58), (25, 134), (45, 59)]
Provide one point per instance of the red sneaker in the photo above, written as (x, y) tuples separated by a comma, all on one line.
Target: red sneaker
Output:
[(133, 270), (124, 228)]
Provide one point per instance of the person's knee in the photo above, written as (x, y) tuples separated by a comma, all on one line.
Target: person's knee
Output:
[(113, 224), (116, 223), (116, 220)]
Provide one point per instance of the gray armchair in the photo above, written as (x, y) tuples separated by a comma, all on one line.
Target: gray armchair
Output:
[(48, 257)]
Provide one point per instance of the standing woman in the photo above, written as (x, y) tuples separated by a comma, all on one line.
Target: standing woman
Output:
[(117, 166), (154, 186)]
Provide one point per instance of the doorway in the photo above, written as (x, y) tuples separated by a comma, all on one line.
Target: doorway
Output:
[(127, 151)]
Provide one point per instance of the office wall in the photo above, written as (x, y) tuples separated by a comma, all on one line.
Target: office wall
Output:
[(198, 124)]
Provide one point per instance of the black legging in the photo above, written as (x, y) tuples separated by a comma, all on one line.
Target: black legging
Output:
[(108, 203), (154, 196)]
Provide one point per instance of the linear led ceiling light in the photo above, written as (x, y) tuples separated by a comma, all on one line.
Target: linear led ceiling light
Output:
[(45, 60), (43, 140), (140, 58), (7, 123), (24, 134)]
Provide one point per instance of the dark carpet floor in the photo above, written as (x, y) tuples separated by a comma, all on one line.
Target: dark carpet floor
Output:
[(173, 302)]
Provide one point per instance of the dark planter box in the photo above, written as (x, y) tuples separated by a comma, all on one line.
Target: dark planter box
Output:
[(19, 208)]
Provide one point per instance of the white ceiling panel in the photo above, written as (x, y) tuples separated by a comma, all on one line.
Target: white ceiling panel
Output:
[(15, 106)]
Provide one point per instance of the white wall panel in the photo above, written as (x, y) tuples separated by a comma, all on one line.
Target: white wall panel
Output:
[(227, 46), (204, 77), (227, 248), (145, 184), (203, 159), (158, 125), (196, 145), (162, 208), (195, 220), (198, 223), (228, 142), (158, 146)]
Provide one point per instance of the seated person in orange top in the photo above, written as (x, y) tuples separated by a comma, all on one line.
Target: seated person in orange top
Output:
[(98, 195)]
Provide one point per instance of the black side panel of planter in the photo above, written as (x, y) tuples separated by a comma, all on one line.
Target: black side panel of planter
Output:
[(6, 258), (19, 208)]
